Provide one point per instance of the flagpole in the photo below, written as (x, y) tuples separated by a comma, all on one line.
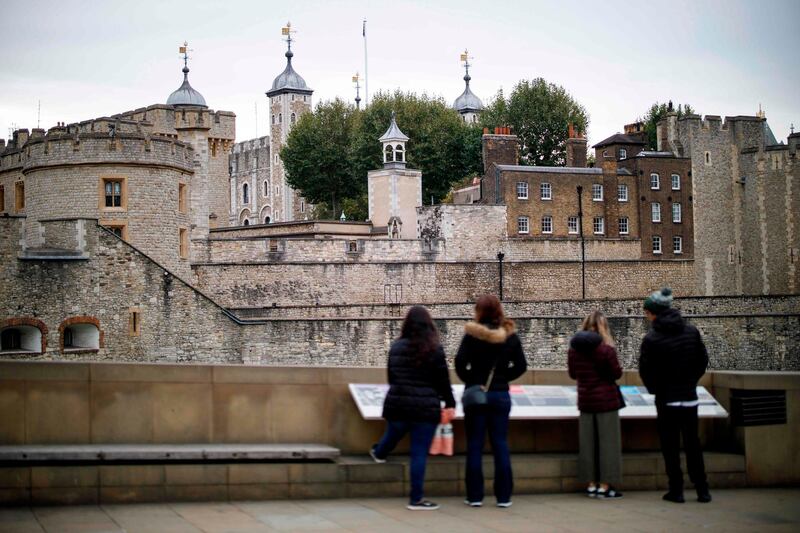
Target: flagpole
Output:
[(366, 72)]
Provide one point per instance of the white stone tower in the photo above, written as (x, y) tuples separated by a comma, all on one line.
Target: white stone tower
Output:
[(468, 105), (289, 98), (394, 192)]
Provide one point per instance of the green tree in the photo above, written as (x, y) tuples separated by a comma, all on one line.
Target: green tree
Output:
[(440, 144), (539, 113), (329, 152), (657, 112), (317, 155)]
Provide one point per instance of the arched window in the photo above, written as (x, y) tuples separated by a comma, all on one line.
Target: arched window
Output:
[(280, 118), (293, 118), (399, 154), (266, 219), (80, 334), (27, 335), (388, 154), (246, 222), (245, 194)]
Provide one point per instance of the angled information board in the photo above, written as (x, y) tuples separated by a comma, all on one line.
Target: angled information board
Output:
[(533, 402)]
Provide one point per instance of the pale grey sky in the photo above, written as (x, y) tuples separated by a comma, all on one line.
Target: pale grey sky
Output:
[(88, 58)]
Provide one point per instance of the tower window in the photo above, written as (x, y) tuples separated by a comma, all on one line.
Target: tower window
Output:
[(598, 225), (280, 118), (597, 192), (655, 212), (114, 192), (522, 225), (522, 190), (134, 322), (183, 243), (293, 118), (708, 158), (622, 193), (623, 225), (182, 194), (245, 194), (19, 196), (399, 153), (547, 224), (655, 181), (572, 225), (266, 188), (388, 154), (2, 198), (656, 244)]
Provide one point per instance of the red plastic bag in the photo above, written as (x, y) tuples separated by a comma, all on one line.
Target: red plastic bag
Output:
[(442, 440)]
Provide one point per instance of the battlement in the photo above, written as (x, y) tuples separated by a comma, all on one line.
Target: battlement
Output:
[(251, 144), (166, 119), (80, 145)]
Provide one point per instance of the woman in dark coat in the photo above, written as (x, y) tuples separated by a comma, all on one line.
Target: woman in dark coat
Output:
[(489, 343), (593, 363), (418, 383)]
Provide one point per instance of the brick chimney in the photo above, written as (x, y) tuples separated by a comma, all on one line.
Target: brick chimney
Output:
[(500, 147), (576, 148)]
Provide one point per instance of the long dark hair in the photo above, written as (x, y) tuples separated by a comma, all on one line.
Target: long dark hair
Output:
[(489, 312), (420, 332)]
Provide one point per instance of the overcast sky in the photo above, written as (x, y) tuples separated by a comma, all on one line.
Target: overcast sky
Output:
[(89, 58)]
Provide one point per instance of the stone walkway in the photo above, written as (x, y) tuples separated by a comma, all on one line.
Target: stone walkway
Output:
[(732, 510)]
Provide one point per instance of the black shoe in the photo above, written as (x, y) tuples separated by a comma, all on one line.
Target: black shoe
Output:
[(674, 497), (423, 505), (703, 496)]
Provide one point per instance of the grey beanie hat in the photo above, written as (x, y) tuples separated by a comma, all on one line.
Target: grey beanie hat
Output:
[(659, 301)]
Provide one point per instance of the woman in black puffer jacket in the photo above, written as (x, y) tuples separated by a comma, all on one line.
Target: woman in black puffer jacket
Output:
[(489, 343), (593, 362), (418, 383)]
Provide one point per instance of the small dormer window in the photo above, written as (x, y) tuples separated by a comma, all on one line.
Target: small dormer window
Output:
[(399, 153), (623, 153)]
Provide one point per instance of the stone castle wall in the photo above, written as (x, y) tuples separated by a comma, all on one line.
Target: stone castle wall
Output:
[(180, 324), (295, 283), (177, 323)]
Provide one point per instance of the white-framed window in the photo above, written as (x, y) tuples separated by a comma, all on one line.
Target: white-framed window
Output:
[(676, 212), (622, 193), (623, 153), (655, 181), (656, 244), (522, 190), (655, 212), (572, 225), (605, 153), (547, 224), (676, 182), (546, 191), (599, 225), (597, 192), (623, 225), (677, 245), (522, 225)]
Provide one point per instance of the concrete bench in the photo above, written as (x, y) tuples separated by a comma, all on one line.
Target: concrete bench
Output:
[(153, 453)]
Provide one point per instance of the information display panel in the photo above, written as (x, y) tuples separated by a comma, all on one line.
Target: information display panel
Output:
[(536, 402)]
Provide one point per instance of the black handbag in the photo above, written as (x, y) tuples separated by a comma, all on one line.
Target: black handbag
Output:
[(476, 394)]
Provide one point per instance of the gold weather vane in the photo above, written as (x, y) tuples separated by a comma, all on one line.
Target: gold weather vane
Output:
[(288, 31), (185, 51), (465, 57)]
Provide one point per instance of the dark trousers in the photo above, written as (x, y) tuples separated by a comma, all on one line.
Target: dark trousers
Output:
[(672, 423), (494, 418), (421, 438)]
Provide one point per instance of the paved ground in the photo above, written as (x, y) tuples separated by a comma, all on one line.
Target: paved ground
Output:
[(731, 510)]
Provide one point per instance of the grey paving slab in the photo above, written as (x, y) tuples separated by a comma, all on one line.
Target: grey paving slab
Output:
[(732, 510)]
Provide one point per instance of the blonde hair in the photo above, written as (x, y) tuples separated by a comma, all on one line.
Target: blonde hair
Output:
[(597, 322)]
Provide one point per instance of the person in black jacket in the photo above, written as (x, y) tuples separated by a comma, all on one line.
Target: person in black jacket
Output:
[(418, 382), (489, 346), (673, 358)]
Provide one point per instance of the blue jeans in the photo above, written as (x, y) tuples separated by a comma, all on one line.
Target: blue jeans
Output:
[(421, 438), (494, 417)]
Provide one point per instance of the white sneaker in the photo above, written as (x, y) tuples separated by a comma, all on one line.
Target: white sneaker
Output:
[(473, 504), (424, 505), (504, 505), (375, 457)]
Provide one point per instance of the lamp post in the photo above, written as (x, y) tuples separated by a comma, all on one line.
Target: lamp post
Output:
[(500, 256), (579, 188)]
